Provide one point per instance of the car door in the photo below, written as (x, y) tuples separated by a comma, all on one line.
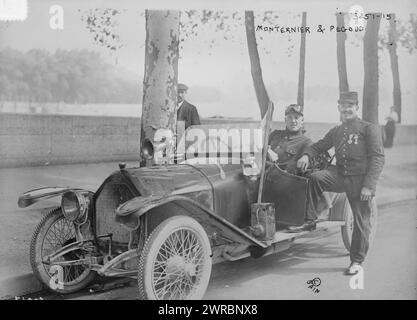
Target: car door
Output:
[(289, 194)]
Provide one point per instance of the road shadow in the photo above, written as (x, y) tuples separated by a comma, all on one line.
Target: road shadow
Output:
[(283, 263)]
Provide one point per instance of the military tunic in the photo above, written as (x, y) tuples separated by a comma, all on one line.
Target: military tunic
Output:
[(289, 146), (358, 148), (359, 162)]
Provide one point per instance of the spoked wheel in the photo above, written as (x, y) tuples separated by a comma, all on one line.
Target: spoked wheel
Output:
[(347, 229), (51, 234), (175, 263)]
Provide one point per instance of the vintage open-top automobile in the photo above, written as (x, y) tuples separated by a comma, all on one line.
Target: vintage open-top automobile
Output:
[(167, 224)]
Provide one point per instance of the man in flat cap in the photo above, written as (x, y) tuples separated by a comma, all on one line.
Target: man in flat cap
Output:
[(359, 162), (186, 111), (286, 146)]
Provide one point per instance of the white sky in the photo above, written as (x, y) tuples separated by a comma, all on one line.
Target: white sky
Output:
[(226, 65)]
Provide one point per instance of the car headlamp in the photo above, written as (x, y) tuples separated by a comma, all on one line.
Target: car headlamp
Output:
[(74, 205), (147, 149), (158, 151)]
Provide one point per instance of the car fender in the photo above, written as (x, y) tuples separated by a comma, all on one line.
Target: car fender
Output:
[(32, 196), (128, 214)]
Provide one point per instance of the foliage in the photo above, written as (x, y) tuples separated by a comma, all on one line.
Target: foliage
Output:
[(75, 76), (405, 34), (102, 23), (227, 23)]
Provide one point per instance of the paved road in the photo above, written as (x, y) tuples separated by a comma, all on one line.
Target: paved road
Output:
[(390, 270)]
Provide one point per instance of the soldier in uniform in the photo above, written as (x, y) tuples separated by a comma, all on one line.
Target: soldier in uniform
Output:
[(359, 162), (286, 146)]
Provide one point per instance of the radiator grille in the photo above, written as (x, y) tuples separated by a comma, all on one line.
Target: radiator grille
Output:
[(111, 196)]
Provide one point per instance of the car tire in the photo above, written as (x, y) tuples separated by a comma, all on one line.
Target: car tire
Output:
[(48, 228), (347, 229), (178, 252)]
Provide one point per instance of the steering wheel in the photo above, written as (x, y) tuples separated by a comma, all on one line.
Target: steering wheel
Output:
[(320, 162)]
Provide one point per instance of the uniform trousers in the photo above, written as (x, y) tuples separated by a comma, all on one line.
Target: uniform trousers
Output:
[(330, 180)]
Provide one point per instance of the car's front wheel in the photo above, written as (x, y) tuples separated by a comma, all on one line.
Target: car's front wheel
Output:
[(175, 263), (51, 234)]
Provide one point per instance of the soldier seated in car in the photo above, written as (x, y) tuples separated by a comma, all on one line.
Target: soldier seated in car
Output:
[(287, 146)]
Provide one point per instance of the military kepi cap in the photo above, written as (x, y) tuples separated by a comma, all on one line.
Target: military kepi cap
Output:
[(182, 87), (294, 108), (348, 96)]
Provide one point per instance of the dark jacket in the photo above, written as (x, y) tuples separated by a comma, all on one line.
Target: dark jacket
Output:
[(189, 114), (358, 147), (289, 146)]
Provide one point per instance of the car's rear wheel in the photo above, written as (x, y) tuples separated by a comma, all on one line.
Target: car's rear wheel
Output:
[(347, 229), (51, 234), (175, 263)]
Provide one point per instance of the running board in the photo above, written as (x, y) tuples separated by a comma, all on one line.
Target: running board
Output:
[(280, 242), (322, 225)]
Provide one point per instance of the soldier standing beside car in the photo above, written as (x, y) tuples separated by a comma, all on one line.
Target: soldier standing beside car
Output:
[(359, 162)]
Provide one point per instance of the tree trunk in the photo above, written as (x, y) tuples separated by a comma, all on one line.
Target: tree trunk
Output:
[(301, 71), (256, 71), (161, 73), (370, 61), (392, 48), (341, 54)]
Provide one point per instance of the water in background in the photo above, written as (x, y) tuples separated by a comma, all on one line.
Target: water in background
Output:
[(313, 111), (108, 110)]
